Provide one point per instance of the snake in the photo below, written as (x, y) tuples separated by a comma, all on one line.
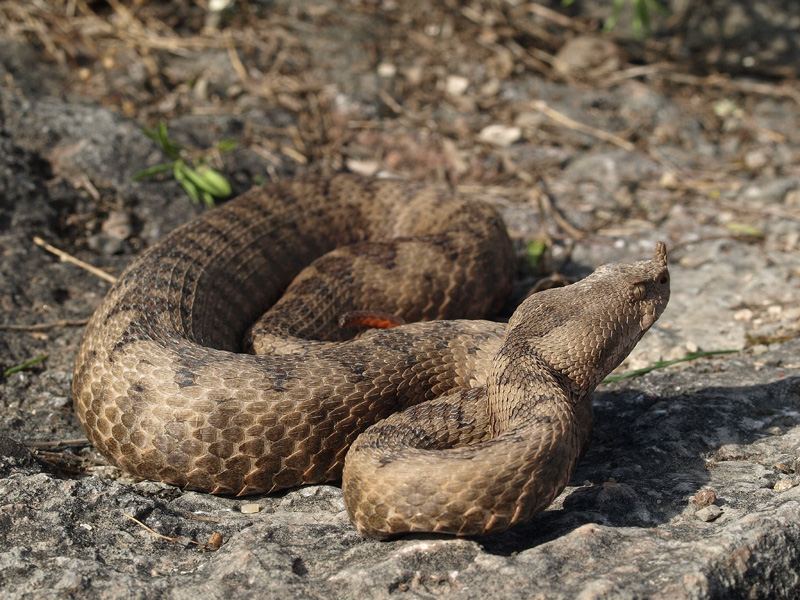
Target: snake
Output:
[(334, 328)]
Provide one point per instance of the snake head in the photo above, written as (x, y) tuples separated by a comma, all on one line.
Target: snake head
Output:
[(585, 330)]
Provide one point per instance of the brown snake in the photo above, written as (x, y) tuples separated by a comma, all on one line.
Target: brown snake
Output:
[(164, 390)]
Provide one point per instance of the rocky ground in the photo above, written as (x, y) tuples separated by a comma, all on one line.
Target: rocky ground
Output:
[(595, 145)]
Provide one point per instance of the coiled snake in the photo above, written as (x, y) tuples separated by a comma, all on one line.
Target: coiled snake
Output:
[(490, 419)]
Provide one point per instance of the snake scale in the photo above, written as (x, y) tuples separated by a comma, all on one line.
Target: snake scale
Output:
[(456, 425)]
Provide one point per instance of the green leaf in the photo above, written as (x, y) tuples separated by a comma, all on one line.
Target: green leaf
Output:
[(662, 10), (206, 178), (534, 252), (226, 145), (615, 12), (743, 229), (201, 182), (641, 22), (151, 134), (154, 170), (180, 174), (208, 198), (24, 366), (159, 135), (666, 363)]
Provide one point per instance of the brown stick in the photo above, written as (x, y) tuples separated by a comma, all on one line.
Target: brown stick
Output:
[(564, 120), (75, 261)]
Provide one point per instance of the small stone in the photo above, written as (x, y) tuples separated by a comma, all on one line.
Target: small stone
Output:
[(117, 225), (772, 191), (755, 159), (709, 513), (499, 135), (249, 509), (792, 199), (743, 314), (362, 167), (774, 310), (783, 485), (669, 181), (456, 85), (704, 498), (105, 244), (589, 53), (414, 74), (726, 108), (387, 70), (775, 431)]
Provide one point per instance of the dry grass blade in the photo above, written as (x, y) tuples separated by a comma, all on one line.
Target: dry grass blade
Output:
[(566, 121), (75, 261), (213, 544)]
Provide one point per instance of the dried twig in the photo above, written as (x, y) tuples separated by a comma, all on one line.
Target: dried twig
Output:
[(75, 261), (566, 121), (59, 444), (161, 535), (214, 540), (784, 90), (43, 326), (555, 17), (546, 207)]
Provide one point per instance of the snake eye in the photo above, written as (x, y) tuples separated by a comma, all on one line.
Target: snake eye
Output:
[(639, 291)]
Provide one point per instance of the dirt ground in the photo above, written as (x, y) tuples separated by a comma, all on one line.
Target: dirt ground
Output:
[(593, 146)]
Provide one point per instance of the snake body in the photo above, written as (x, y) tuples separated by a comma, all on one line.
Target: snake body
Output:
[(489, 420)]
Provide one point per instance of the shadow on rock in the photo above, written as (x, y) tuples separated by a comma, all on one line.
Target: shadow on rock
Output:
[(650, 454)]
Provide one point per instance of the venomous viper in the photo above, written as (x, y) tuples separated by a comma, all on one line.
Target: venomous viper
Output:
[(489, 420)]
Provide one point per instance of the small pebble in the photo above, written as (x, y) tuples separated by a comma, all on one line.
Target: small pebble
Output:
[(387, 70), (783, 485), (589, 53), (117, 225), (500, 135), (774, 310), (704, 498), (456, 85), (775, 431), (669, 181), (756, 159), (709, 513), (214, 542), (249, 509), (363, 167)]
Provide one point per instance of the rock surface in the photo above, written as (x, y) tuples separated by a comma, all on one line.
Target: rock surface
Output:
[(713, 171)]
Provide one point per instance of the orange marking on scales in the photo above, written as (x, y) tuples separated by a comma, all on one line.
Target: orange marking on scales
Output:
[(377, 319)]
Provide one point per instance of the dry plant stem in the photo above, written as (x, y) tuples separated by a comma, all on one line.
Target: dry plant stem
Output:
[(553, 16), (75, 261), (161, 535), (58, 444), (566, 121), (44, 326), (784, 90), (546, 208), (236, 62)]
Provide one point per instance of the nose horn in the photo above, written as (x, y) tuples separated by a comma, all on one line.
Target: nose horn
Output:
[(660, 255)]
